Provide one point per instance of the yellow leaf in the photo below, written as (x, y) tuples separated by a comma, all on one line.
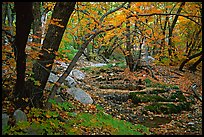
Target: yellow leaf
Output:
[(25, 99), (47, 116), (48, 65)]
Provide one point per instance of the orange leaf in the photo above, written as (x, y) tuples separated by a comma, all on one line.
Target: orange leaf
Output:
[(48, 116), (48, 65)]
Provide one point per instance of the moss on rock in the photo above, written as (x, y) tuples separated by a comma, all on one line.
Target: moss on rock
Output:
[(168, 108)]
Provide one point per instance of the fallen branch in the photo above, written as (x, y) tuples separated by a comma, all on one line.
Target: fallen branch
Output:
[(176, 73)]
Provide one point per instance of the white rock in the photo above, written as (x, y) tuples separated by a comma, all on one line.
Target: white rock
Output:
[(150, 58), (77, 74), (53, 78), (191, 123), (98, 65), (80, 95), (19, 116), (69, 81)]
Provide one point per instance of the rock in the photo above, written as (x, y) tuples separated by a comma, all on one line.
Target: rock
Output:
[(53, 78), (19, 116), (98, 65), (5, 119), (59, 67), (77, 74), (62, 64), (191, 123), (150, 58), (80, 95), (69, 81)]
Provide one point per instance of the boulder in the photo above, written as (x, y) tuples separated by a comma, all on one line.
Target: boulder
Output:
[(80, 95), (59, 66), (19, 116), (77, 74), (53, 78), (62, 64), (69, 81), (5, 119)]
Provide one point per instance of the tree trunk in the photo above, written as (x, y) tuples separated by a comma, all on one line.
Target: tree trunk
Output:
[(10, 19), (128, 57), (188, 59), (162, 47), (138, 65), (193, 67), (24, 19), (37, 22), (171, 46), (4, 8), (42, 67)]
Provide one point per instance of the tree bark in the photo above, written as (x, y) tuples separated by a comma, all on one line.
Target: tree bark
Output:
[(10, 19), (37, 22), (24, 19), (188, 59), (193, 67), (42, 67), (4, 8), (128, 57), (171, 47)]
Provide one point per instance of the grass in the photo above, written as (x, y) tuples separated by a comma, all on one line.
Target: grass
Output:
[(149, 83), (110, 125), (46, 122), (105, 67)]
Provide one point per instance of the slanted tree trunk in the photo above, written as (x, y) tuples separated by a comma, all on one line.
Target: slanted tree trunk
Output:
[(193, 67), (188, 59), (42, 67), (24, 18), (70, 67)]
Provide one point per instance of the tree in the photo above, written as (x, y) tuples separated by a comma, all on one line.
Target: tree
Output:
[(37, 32), (24, 18), (193, 67), (42, 67), (129, 58), (190, 58), (87, 39), (171, 28)]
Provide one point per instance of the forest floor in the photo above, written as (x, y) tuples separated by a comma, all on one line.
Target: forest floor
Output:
[(183, 123), (109, 87)]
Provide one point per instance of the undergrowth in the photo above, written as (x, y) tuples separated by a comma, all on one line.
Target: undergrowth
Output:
[(47, 122)]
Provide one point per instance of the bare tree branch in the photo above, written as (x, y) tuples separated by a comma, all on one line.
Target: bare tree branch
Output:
[(166, 14), (111, 11)]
